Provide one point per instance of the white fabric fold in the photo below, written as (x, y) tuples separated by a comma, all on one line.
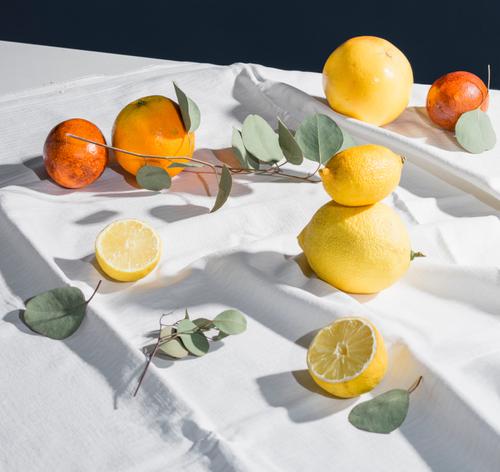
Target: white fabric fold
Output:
[(250, 403)]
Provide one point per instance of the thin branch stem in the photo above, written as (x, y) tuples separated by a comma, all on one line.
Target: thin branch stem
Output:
[(138, 154), (415, 385), (148, 156), (159, 342), (95, 291), (276, 170)]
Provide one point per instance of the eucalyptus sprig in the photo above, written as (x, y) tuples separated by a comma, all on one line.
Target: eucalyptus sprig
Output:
[(188, 336), (258, 148), (384, 413)]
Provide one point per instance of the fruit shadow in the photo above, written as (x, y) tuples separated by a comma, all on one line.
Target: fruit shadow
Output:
[(414, 122), (87, 270), (297, 392), (292, 391), (323, 288), (28, 172)]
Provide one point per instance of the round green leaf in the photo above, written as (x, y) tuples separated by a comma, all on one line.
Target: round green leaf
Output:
[(474, 132), (173, 348), (57, 313), (195, 343), (230, 322), (382, 414), (153, 178), (225, 184), (203, 323), (319, 137), (185, 326), (190, 112), (288, 145), (260, 139)]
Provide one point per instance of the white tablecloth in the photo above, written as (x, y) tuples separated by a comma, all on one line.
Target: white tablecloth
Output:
[(249, 405)]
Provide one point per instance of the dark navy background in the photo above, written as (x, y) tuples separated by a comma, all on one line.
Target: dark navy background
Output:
[(437, 37)]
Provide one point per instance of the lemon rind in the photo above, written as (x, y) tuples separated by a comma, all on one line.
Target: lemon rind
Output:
[(366, 364), (151, 262)]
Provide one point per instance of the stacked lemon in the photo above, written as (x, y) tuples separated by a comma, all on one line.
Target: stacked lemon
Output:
[(359, 245), (354, 242)]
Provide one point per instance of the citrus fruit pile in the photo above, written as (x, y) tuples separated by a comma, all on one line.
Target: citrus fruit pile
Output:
[(355, 242), (76, 153)]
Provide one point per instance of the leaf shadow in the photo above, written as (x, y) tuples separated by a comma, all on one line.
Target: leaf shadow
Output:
[(97, 217), (37, 166), (16, 318), (173, 213)]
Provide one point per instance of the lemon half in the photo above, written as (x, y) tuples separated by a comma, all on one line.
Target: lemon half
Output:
[(128, 250), (348, 357)]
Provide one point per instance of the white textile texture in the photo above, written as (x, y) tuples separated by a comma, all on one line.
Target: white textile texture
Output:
[(248, 405)]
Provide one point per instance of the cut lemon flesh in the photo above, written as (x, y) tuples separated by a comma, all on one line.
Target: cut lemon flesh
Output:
[(348, 357), (128, 250)]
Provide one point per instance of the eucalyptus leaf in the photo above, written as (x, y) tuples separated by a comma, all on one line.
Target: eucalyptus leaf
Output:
[(319, 137), (260, 139), (190, 112), (203, 323), (185, 326), (239, 148), (173, 348), (382, 414), (195, 343), (474, 132), (230, 322), (219, 336), (153, 178), (225, 184), (57, 313), (253, 162), (288, 145)]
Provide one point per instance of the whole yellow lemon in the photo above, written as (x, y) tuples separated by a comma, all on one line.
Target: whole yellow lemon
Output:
[(362, 175), (357, 249), (368, 78)]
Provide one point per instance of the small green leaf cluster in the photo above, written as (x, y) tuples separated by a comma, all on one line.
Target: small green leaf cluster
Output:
[(188, 336), (193, 337), (318, 138)]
